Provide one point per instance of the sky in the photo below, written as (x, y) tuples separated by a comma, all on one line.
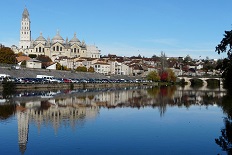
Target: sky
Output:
[(125, 27)]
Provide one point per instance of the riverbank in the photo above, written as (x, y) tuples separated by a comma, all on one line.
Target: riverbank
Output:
[(78, 85)]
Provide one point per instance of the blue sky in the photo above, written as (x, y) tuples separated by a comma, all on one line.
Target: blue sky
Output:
[(126, 27)]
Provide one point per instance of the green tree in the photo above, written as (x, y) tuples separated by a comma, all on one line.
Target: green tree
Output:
[(81, 69), (153, 75), (225, 46), (32, 56), (7, 56)]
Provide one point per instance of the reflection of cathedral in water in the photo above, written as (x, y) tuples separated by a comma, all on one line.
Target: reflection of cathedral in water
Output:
[(50, 113), (70, 109)]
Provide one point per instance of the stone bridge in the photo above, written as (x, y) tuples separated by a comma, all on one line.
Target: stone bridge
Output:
[(204, 79)]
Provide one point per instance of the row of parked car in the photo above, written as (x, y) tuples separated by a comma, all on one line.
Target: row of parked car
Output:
[(22, 80)]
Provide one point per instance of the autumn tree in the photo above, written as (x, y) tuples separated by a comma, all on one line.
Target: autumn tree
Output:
[(81, 69), (153, 75), (171, 75), (91, 69), (164, 76), (7, 56)]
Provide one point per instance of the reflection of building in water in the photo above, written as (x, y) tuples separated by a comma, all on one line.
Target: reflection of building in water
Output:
[(54, 113), (50, 113), (23, 126)]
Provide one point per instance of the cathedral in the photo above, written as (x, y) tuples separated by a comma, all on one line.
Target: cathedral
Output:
[(55, 47)]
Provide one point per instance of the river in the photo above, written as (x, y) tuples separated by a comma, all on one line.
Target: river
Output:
[(133, 120)]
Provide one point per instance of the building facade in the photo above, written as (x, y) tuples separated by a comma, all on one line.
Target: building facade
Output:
[(55, 47)]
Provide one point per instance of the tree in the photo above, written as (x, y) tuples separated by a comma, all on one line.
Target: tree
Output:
[(187, 60), (58, 66), (32, 56), (163, 61), (7, 56), (43, 58), (81, 69), (171, 75), (91, 69), (153, 75), (164, 76), (225, 46), (225, 43)]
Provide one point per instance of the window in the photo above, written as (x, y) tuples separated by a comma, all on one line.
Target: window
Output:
[(75, 50), (78, 50), (71, 50), (39, 49), (54, 48), (36, 50), (27, 46), (57, 48), (43, 49), (60, 48)]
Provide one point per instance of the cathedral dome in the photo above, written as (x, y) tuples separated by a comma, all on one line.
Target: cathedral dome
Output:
[(40, 38), (74, 39), (57, 38)]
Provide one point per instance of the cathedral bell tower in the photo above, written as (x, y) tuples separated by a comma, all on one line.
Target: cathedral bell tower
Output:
[(25, 30)]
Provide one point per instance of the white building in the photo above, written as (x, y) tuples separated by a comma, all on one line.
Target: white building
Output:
[(56, 46), (102, 67), (33, 63)]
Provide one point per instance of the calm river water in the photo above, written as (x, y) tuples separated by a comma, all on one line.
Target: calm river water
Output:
[(146, 120)]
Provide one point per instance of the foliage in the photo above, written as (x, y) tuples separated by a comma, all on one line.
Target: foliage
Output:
[(164, 77), (208, 66), (163, 61), (20, 54), (8, 89), (171, 75), (32, 56), (154, 91), (43, 58), (168, 76), (7, 56), (187, 59), (61, 67), (81, 69), (6, 111), (225, 43), (91, 69), (225, 140), (226, 46), (58, 66), (153, 75)]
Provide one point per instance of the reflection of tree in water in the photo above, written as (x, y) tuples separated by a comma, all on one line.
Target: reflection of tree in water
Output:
[(6, 111), (225, 140), (166, 98)]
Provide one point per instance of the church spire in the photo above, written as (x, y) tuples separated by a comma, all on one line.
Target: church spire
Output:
[(25, 14)]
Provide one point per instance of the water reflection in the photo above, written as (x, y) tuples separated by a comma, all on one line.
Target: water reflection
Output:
[(225, 140), (71, 107)]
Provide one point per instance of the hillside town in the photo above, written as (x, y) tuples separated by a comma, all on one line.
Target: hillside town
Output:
[(73, 54)]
